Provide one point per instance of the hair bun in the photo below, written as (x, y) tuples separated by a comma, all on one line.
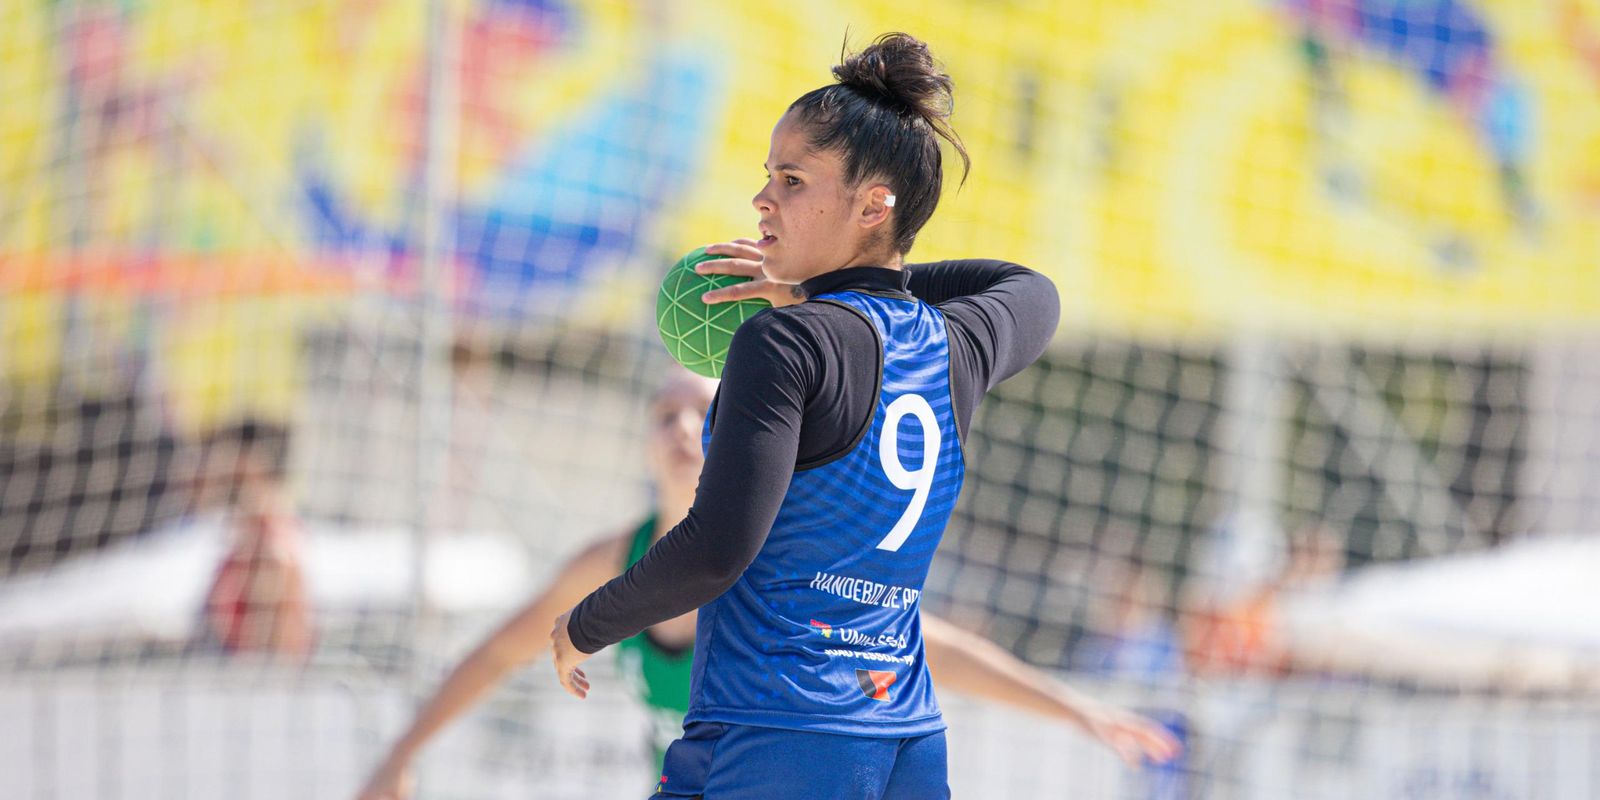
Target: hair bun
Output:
[(884, 118), (898, 69)]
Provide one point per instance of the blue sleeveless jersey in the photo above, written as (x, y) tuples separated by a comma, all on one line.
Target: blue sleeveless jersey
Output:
[(822, 632)]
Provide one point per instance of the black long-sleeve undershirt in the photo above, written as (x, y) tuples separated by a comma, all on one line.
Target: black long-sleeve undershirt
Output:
[(799, 383)]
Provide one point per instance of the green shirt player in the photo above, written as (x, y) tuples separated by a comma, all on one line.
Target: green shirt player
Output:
[(660, 671), (658, 660)]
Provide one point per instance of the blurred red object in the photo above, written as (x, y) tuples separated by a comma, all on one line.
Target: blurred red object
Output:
[(258, 601)]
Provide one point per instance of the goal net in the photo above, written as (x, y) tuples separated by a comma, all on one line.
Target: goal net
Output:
[(326, 338)]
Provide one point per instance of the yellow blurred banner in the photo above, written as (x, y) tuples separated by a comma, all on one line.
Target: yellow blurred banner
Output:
[(1362, 167), (1177, 165)]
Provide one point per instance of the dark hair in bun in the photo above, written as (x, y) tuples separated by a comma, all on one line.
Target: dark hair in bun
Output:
[(885, 116)]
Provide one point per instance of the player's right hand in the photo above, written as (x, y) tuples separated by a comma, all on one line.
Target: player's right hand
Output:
[(741, 257), (390, 782)]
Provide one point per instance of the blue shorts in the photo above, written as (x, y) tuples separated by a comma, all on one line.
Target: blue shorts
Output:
[(715, 761)]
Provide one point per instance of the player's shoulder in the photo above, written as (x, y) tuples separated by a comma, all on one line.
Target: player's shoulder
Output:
[(781, 327), (800, 315), (813, 327), (968, 263), (820, 318), (805, 341)]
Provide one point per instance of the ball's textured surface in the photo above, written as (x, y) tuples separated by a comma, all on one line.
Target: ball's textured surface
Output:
[(697, 334)]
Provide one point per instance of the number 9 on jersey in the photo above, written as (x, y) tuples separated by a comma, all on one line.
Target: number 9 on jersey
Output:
[(920, 480)]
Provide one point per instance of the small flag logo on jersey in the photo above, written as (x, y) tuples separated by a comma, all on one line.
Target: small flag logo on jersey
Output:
[(875, 684), (825, 628)]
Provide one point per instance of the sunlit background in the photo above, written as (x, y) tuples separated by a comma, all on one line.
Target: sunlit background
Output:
[(1311, 472)]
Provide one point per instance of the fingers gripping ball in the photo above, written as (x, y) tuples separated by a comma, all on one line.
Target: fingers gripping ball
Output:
[(697, 334)]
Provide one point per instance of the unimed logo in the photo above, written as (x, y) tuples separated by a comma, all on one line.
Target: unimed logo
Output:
[(875, 684), (824, 628)]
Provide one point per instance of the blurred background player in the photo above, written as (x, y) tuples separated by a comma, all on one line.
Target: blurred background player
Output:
[(658, 661), (258, 601), (1128, 634), (1240, 631)]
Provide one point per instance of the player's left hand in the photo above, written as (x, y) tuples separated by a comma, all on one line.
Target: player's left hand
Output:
[(741, 257), (1135, 739), (568, 657)]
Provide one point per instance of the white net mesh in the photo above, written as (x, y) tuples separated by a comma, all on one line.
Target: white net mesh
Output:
[(1311, 474)]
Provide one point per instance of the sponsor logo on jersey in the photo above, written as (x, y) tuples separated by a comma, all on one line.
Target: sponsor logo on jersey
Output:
[(875, 684), (865, 592), (868, 655), (855, 637)]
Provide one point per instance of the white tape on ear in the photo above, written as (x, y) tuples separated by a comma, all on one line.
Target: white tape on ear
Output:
[(888, 200)]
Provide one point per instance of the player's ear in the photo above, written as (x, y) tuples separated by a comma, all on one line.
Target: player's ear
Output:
[(876, 204)]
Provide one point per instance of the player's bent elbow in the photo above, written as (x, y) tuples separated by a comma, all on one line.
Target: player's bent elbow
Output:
[(721, 570)]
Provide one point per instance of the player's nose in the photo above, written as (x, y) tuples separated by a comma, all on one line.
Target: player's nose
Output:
[(762, 202)]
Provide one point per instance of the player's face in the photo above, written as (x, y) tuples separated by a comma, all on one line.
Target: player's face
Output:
[(676, 416), (811, 221)]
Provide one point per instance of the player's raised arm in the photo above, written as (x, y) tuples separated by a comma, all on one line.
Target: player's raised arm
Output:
[(1006, 312), (518, 641), (975, 666)]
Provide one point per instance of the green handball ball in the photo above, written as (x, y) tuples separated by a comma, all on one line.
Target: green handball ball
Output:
[(696, 334)]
